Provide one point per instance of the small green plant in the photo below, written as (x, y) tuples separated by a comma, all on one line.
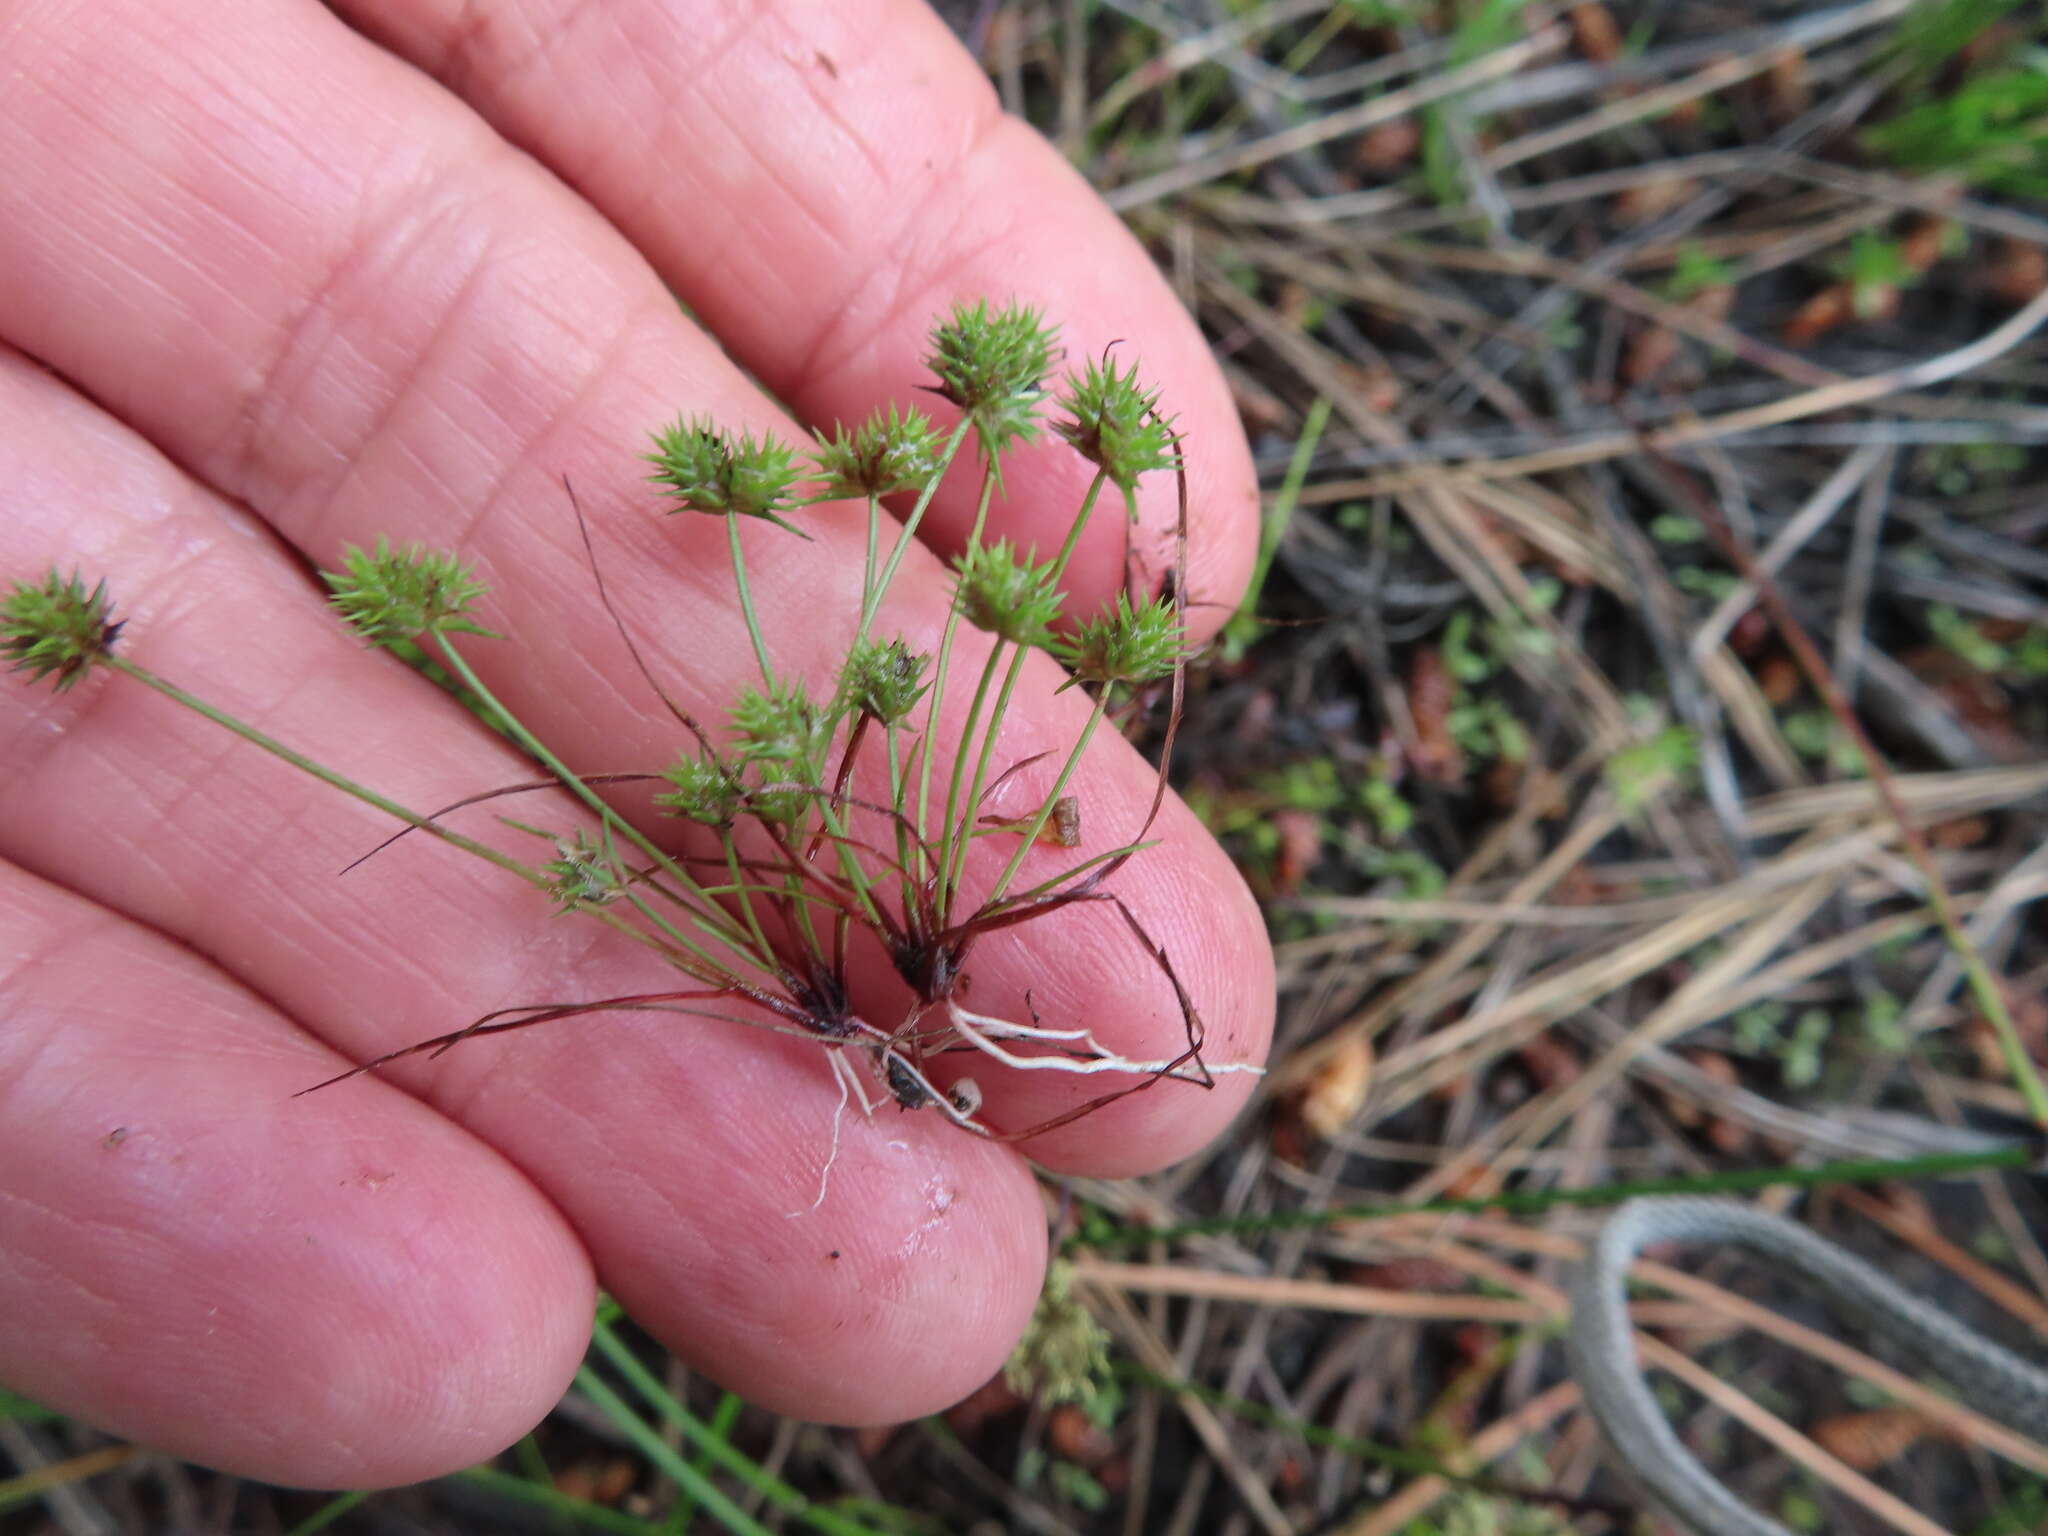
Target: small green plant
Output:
[(821, 807), (1478, 27), (1955, 469), (1875, 267), (1638, 773), (1798, 1044), (1695, 272), (1991, 130), (2027, 656), (1815, 735), (1064, 1354)]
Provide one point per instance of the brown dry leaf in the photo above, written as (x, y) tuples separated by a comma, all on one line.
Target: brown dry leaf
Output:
[(1911, 1206), (1648, 200), (1925, 244), (1867, 1440), (598, 1482), (1750, 634), (991, 1400), (1301, 844), (1778, 679), (1714, 302), (1788, 84), (1078, 1438), (1292, 302), (1289, 1141), (871, 1441), (1258, 408), (1411, 1272), (2029, 1018), (1431, 693), (1389, 147), (2018, 271), (1503, 784), (1832, 306), (1650, 352), (1961, 832), (1596, 33), (1550, 1062), (1724, 1135), (1337, 1092), (1377, 387)]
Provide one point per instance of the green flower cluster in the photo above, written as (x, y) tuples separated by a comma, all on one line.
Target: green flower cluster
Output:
[(392, 594), (1115, 423), (1000, 590), (710, 470), (1126, 644), (992, 362), (889, 452), (57, 628), (883, 680)]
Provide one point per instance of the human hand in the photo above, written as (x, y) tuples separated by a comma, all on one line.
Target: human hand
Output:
[(274, 286)]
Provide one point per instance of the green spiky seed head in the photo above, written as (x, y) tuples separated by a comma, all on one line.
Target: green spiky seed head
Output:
[(1126, 644), (779, 724), (701, 791), (789, 800), (992, 364), (391, 594), (1117, 424), (1000, 590), (707, 469), (885, 681), (579, 875), (896, 451), (57, 629)]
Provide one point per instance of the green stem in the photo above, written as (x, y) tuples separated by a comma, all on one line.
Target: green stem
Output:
[(562, 1506), (765, 1483), (663, 1455), (1736, 1181), (722, 1420), (867, 569), (873, 601), (739, 580), (1073, 540), (607, 817), (957, 867), (1051, 799), (944, 662), (952, 837), (326, 775), (957, 833)]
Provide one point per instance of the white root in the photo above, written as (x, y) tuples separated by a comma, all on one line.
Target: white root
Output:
[(982, 1031)]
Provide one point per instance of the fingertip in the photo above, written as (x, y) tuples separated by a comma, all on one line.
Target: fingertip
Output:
[(893, 1295)]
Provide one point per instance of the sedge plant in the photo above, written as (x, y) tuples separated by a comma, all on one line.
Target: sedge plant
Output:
[(815, 814)]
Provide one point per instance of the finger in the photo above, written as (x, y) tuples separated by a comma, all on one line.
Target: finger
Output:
[(817, 182), (439, 373), (345, 1292), (676, 1148)]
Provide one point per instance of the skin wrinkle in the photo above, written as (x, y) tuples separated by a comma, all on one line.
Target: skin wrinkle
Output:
[(481, 24), (380, 244), (906, 272), (555, 424), (17, 1068)]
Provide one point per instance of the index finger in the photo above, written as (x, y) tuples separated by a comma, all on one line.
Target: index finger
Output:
[(817, 182)]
